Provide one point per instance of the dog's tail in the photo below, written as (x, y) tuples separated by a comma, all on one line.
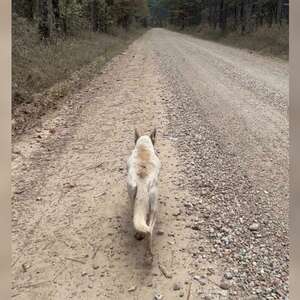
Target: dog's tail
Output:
[(141, 208)]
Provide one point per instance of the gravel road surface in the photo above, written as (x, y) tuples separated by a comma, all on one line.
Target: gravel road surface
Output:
[(222, 231)]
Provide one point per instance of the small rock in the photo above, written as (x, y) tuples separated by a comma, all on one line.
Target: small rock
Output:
[(176, 214), (196, 227), (158, 297), (228, 275), (83, 274), (203, 283), (176, 287), (181, 294), (254, 227), (95, 267), (160, 232), (20, 191), (210, 271), (25, 267), (132, 289), (224, 285), (69, 185), (188, 205), (207, 297)]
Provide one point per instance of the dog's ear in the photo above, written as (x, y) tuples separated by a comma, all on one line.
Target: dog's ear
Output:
[(153, 136), (136, 135)]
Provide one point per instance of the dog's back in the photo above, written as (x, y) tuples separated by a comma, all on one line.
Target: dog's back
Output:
[(145, 160)]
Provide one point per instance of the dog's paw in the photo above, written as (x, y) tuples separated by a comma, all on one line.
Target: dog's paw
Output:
[(139, 236)]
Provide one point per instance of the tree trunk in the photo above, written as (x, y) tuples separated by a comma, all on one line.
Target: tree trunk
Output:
[(94, 15), (105, 19), (287, 12), (248, 16), (43, 19), (225, 16), (182, 21), (279, 11), (270, 16), (215, 20), (242, 17), (30, 9), (209, 13), (56, 13), (125, 22), (235, 24), (221, 15)]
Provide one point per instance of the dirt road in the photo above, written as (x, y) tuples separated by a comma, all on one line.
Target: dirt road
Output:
[(222, 230)]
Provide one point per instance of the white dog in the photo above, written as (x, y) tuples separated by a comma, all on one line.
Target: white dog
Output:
[(143, 168)]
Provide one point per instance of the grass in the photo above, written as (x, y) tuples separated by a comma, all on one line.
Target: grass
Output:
[(38, 66), (272, 41), (44, 73)]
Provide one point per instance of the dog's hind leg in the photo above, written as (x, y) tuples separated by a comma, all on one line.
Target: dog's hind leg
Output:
[(132, 190), (153, 220), (153, 198)]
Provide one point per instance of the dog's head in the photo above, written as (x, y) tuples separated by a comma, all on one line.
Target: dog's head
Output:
[(152, 136)]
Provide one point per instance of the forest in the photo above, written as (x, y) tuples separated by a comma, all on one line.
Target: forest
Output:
[(233, 15), (66, 17), (69, 16)]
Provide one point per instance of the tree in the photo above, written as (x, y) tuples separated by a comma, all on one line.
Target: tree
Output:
[(56, 14), (72, 16), (24, 8), (94, 15), (43, 19), (242, 15)]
